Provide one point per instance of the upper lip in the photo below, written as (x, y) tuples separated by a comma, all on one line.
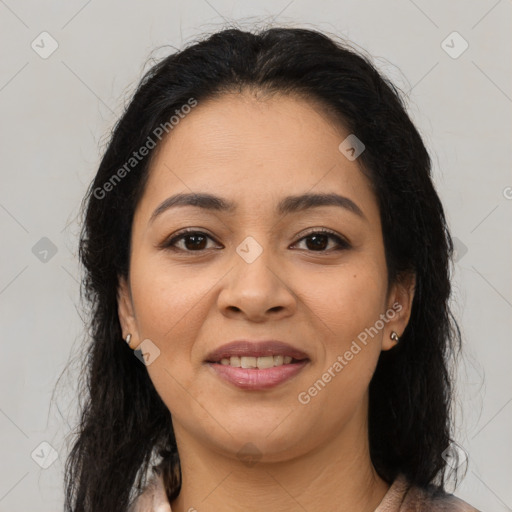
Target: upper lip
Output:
[(246, 348)]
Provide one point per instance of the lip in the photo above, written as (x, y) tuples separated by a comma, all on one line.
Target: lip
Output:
[(248, 348), (255, 378)]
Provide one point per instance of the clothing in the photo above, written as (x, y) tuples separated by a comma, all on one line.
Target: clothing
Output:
[(401, 497)]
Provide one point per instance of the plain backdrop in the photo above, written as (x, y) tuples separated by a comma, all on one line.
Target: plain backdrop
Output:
[(67, 69)]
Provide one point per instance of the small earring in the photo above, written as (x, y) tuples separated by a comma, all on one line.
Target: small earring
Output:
[(394, 336), (128, 339)]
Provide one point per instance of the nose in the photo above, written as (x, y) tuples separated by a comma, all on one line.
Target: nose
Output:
[(257, 291)]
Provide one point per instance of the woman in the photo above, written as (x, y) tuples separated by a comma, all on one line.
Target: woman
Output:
[(264, 236)]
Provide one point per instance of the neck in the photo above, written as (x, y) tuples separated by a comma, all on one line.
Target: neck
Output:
[(338, 476)]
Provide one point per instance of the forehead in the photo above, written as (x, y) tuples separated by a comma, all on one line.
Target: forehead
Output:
[(255, 151)]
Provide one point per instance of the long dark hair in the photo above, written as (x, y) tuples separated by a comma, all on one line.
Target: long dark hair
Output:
[(125, 428)]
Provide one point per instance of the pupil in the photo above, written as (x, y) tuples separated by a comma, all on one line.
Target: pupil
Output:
[(197, 241), (316, 244)]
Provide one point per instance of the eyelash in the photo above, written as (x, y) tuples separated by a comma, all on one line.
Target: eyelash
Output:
[(169, 244)]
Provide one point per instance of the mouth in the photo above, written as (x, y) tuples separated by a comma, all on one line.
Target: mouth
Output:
[(257, 365), (260, 362)]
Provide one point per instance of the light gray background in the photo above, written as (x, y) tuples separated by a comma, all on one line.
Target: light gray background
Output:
[(56, 115)]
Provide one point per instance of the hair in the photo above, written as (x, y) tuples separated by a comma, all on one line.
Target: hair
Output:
[(124, 424)]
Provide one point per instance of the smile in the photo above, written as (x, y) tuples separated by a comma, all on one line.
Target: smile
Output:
[(256, 373), (257, 362)]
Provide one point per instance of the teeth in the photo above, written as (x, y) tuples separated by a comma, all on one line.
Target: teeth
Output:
[(234, 361), (248, 362), (265, 362), (256, 362)]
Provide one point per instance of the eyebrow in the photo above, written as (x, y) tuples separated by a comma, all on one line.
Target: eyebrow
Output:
[(288, 205)]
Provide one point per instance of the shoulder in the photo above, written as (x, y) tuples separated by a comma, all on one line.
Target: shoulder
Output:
[(153, 497), (435, 499), (403, 497)]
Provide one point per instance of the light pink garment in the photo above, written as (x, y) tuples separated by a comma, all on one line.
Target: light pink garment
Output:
[(401, 497), (153, 499)]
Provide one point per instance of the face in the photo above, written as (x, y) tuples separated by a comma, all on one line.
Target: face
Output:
[(260, 272)]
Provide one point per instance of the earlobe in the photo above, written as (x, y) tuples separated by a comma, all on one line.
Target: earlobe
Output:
[(399, 309), (125, 309)]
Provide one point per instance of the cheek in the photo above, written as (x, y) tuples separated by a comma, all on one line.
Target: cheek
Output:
[(167, 298), (170, 304), (350, 299), (349, 303), (336, 388)]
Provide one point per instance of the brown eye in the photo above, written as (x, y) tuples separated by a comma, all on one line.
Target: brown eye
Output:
[(192, 241), (197, 241), (318, 241)]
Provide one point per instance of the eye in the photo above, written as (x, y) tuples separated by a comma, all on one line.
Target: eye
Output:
[(320, 241), (196, 241), (193, 241)]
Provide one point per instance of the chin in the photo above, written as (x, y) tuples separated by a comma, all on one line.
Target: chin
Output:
[(251, 449), (271, 439)]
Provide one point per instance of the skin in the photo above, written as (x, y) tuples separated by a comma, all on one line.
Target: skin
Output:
[(255, 151)]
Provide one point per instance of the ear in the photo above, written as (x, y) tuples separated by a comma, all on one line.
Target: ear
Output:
[(126, 312), (399, 306)]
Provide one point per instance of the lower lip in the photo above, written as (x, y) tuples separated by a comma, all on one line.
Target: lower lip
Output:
[(255, 379)]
